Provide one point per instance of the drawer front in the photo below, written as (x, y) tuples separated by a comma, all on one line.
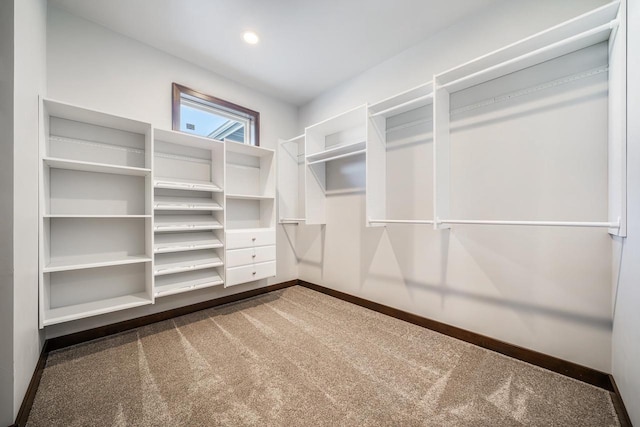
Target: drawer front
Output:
[(250, 238), (249, 273), (237, 257)]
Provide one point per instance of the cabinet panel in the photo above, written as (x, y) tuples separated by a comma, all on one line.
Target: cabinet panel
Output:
[(238, 257), (252, 237), (248, 273)]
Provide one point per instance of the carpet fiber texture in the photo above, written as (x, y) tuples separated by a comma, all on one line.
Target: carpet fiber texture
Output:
[(297, 357)]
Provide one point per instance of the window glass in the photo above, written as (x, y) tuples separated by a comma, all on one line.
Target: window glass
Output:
[(211, 117)]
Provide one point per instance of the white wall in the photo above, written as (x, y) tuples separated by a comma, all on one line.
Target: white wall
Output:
[(545, 289), (93, 67), (29, 82), (6, 212), (626, 321)]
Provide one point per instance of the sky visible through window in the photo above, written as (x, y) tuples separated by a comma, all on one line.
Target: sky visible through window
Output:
[(204, 122)]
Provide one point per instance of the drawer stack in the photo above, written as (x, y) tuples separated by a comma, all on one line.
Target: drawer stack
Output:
[(251, 255)]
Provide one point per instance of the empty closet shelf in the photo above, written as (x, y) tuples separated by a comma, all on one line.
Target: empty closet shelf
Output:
[(94, 308), (185, 184), (78, 165), (179, 242), (185, 203), (183, 261), (185, 223), (337, 152), (184, 282), (93, 216), (80, 262), (248, 197)]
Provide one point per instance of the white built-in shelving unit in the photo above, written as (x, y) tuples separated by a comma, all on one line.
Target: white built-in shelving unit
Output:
[(339, 137), (605, 24), (250, 219), (95, 213), (188, 203), (291, 165), (381, 121)]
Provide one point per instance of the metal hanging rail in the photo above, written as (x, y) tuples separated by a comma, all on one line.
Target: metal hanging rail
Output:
[(353, 153), (401, 221), (536, 223)]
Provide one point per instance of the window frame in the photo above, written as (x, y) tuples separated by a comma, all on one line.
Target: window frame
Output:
[(178, 90)]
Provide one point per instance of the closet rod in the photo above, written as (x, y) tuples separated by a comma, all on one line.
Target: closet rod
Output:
[(404, 104), (538, 223), (293, 139), (608, 26), (400, 221), (292, 219), (338, 157)]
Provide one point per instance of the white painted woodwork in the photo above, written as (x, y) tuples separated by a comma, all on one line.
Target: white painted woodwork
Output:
[(95, 213), (249, 273), (238, 257), (291, 188)]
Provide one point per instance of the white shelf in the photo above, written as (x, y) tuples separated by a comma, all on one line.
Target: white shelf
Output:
[(80, 262), (411, 99), (185, 184), (79, 165), (94, 216), (248, 197), (185, 282), (249, 150), (337, 152), (185, 223), (185, 261), (94, 308), (578, 33), (180, 242), (185, 203)]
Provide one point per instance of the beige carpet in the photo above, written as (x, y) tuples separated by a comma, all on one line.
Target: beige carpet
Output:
[(300, 358)]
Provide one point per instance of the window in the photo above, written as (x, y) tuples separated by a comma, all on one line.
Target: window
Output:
[(211, 117)]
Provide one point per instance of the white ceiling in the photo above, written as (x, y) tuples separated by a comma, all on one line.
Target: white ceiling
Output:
[(306, 47)]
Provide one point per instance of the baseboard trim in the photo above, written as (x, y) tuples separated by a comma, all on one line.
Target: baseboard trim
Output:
[(560, 366), (104, 331), (30, 395), (618, 405)]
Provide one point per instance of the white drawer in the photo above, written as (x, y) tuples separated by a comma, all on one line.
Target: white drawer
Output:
[(237, 239), (249, 273), (237, 257)]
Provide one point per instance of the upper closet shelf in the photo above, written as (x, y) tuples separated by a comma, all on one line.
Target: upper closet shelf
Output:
[(338, 152), (79, 165), (185, 203), (185, 184), (411, 99), (578, 33), (184, 139)]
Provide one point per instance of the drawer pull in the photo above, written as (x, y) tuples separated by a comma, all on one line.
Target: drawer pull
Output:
[(254, 273), (253, 256), (253, 239)]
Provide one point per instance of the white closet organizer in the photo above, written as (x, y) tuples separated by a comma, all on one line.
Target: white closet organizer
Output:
[(95, 213), (250, 213), (586, 30), (398, 113), (188, 208), (338, 137), (291, 180)]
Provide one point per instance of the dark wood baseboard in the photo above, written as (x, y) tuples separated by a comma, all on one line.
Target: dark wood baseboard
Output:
[(103, 331), (30, 395), (618, 405), (570, 369)]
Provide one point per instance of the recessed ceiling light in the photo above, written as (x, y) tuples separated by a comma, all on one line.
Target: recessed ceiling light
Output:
[(250, 37)]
